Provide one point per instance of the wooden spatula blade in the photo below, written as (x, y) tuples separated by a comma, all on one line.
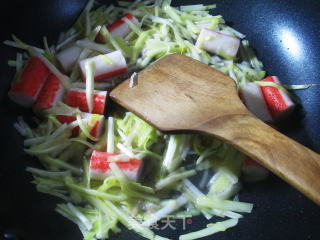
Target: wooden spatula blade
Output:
[(175, 93)]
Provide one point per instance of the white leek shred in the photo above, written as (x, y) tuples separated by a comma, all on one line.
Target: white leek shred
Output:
[(61, 164), (80, 216), (173, 178), (177, 150), (169, 157), (32, 141), (19, 63), (70, 217), (84, 128), (125, 150), (48, 174), (61, 129), (110, 135), (169, 208), (204, 179), (53, 149), (17, 43), (193, 192), (86, 43), (133, 80), (299, 86), (23, 128), (89, 68), (62, 109), (66, 41), (20, 129)]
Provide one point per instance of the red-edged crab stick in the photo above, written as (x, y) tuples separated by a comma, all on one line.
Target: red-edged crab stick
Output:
[(106, 65), (68, 57), (100, 169), (253, 171), (51, 93), (219, 43), (119, 28), (279, 103), (76, 97), (27, 88), (96, 122), (253, 98)]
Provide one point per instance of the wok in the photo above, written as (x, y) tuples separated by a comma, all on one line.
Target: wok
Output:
[(285, 35)]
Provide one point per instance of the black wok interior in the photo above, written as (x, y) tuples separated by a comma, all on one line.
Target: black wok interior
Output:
[(285, 34)]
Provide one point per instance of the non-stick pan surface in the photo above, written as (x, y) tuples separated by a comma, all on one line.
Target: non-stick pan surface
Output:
[(285, 34)]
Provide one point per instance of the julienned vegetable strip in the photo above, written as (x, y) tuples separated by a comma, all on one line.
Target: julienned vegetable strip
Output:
[(215, 203), (173, 178), (169, 208), (110, 135), (49, 174), (84, 128), (91, 192), (89, 72), (211, 229)]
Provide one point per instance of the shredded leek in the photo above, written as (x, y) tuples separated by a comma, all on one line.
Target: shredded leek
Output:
[(84, 129), (89, 68), (211, 229), (215, 203), (110, 135)]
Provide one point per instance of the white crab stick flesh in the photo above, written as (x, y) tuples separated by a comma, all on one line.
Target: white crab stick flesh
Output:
[(119, 28), (51, 93), (279, 103), (221, 44), (100, 169), (94, 122), (253, 171), (27, 88), (76, 97), (253, 98), (106, 65), (68, 57)]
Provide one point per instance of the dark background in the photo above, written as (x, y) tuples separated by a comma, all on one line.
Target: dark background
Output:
[(285, 35)]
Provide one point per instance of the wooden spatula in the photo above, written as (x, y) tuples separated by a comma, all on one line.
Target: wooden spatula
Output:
[(179, 93)]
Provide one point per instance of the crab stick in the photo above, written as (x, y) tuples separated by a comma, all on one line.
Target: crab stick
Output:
[(253, 98), (27, 88), (119, 28), (100, 169), (51, 93), (68, 57), (106, 65), (279, 103), (221, 44), (94, 122), (253, 171), (76, 97)]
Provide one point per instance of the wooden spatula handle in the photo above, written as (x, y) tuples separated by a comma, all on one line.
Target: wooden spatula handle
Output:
[(288, 159)]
